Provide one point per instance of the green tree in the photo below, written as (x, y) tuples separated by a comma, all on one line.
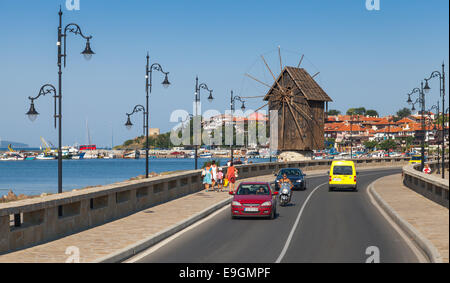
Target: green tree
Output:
[(438, 120), (402, 113), (356, 111), (388, 144), (370, 145), (333, 112), (372, 113), (128, 142)]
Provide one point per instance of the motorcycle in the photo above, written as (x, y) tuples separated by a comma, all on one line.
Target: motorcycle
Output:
[(285, 194)]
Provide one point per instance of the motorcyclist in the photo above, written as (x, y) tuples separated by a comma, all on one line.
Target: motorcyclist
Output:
[(285, 180)]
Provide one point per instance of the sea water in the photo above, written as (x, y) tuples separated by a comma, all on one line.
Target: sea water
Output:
[(34, 177)]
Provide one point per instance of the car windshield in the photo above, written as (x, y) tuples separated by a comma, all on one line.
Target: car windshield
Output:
[(290, 172), (342, 170), (416, 158), (253, 189)]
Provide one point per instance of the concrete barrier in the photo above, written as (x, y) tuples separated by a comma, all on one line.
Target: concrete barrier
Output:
[(34, 221), (432, 187)]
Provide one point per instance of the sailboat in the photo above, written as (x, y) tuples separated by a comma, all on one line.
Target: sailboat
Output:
[(89, 145)]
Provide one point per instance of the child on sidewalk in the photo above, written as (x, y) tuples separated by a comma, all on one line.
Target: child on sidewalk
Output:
[(207, 177), (220, 180)]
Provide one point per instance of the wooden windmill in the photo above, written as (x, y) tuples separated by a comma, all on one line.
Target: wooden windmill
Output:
[(301, 103)]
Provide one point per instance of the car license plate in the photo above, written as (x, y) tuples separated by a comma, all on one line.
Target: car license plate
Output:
[(337, 179), (251, 209)]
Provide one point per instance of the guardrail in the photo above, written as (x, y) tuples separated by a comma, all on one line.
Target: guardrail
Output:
[(33, 221), (432, 187)]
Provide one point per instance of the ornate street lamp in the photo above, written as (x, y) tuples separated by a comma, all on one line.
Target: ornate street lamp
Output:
[(148, 88), (233, 106), (87, 53), (137, 108), (198, 88), (427, 89), (435, 131), (32, 113), (45, 89), (421, 100)]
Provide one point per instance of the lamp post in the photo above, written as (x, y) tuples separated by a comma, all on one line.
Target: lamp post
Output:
[(420, 100), (435, 107), (233, 100), (148, 89), (198, 88), (32, 113), (137, 108), (441, 76), (388, 135)]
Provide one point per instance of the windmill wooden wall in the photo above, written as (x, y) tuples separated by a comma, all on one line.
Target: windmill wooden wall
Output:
[(301, 110)]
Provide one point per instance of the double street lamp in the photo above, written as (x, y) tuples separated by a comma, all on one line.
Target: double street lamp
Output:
[(233, 100), (421, 100), (46, 89), (427, 88), (148, 89), (198, 88)]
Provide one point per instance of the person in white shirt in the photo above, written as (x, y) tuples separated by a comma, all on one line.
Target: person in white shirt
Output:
[(214, 174)]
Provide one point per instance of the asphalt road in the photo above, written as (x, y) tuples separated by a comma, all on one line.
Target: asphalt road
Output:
[(331, 227)]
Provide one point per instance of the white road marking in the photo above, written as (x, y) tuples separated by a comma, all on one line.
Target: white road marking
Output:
[(173, 237), (291, 234)]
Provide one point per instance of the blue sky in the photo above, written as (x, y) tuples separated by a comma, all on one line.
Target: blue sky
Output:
[(365, 58)]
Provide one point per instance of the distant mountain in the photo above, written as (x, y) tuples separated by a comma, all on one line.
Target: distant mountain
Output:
[(4, 143)]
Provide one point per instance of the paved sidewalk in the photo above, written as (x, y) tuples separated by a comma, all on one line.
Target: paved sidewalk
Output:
[(111, 237), (427, 217)]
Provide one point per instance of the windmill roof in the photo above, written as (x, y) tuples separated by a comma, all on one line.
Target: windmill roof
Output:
[(303, 80)]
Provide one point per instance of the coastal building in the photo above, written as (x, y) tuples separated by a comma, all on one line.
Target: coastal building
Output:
[(153, 132), (354, 130)]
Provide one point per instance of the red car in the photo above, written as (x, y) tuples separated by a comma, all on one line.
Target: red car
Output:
[(254, 199)]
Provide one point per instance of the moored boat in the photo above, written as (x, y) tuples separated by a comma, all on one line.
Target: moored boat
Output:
[(43, 156)]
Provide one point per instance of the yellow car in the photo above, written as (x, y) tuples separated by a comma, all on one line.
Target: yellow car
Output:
[(342, 175), (416, 159)]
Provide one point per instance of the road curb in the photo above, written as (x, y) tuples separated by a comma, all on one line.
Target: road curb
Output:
[(421, 241), (142, 245)]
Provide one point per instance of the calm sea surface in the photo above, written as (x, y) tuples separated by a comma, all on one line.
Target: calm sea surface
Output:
[(37, 176)]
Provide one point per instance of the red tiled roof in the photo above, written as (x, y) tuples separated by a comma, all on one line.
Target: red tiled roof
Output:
[(390, 130), (405, 120)]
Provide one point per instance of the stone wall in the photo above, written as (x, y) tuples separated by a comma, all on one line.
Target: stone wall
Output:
[(432, 187)]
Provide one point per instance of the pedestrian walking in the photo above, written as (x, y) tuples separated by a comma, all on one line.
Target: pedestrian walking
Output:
[(207, 177), (214, 174), (231, 176), (220, 179)]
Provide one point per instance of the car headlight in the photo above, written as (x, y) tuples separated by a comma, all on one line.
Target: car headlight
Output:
[(277, 181), (299, 181), (267, 203), (236, 203), (285, 191)]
